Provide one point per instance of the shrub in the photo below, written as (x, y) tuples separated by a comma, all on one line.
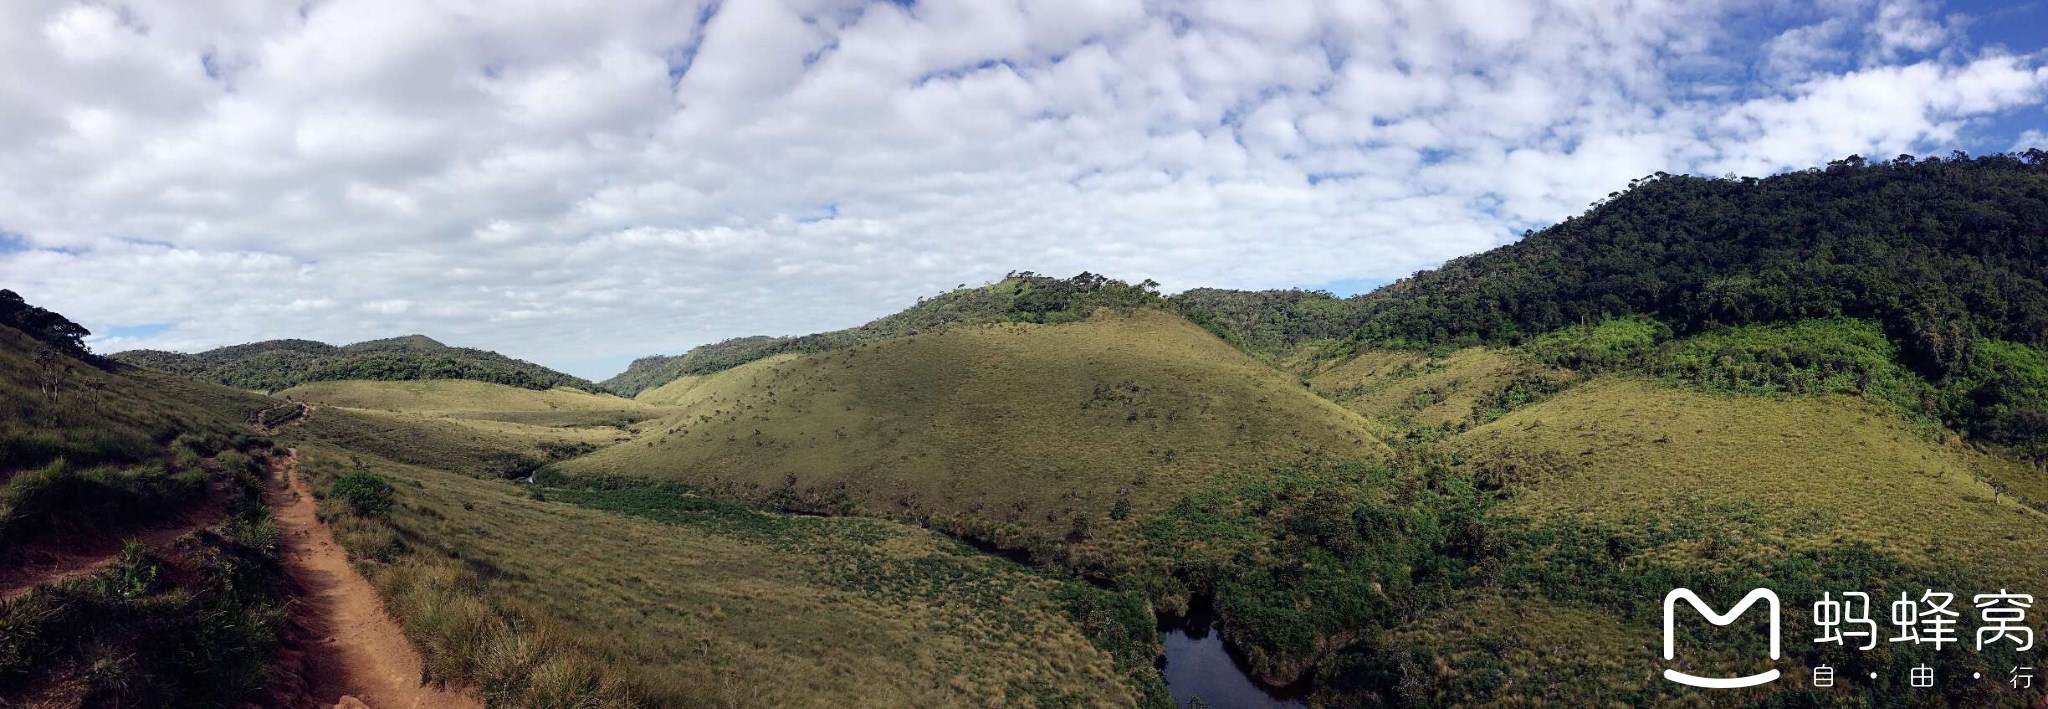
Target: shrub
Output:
[(366, 494), (1600, 346), (511, 465)]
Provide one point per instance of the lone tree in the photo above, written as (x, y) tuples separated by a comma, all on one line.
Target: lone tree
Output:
[(51, 371), (99, 393)]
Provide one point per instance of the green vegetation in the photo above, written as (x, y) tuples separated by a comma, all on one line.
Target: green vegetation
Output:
[(688, 601), (547, 424), (459, 398), (58, 499), (1269, 323), (94, 416), (1939, 253), (197, 623), (365, 494), (477, 447), (1002, 432), (1300, 558), (1020, 298), (281, 364), (52, 330), (1471, 487)]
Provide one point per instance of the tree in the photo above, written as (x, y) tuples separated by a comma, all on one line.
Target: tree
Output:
[(99, 393), (46, 327), (51, 371)]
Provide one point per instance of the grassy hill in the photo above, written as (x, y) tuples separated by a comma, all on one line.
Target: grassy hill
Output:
[(281, 364), (1941, 253), (1011, 430), (1021, 297), (1790, 456)]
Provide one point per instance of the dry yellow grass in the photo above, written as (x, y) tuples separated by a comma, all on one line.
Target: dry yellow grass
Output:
[(1822, 471), (679, 390), (1430, 390), (490, 415), (1019, 425), (758, 609), (457, 397)]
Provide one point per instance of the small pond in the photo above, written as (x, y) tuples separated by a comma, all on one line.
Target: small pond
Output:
[(1198, 665)]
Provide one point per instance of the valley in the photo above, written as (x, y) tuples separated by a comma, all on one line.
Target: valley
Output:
[(1471, 487)]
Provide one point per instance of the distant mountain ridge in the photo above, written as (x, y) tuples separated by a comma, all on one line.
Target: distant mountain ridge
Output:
[(273, 365)]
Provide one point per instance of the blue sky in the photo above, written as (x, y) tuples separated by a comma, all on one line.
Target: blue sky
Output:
[(579, 187)]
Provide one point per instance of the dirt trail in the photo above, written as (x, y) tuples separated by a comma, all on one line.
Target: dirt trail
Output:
[(48, 563), (358, 651)]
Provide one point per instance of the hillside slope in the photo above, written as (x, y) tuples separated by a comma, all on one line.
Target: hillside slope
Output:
[(1007, 428), (1020, 297), (274, 365), (1944, 254), (130, 538), (649, 597), (1775, 455)]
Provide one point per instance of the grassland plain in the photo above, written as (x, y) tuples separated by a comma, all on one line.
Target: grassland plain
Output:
[(688, 602), (513, 418), (456, 396), (1012, 432)]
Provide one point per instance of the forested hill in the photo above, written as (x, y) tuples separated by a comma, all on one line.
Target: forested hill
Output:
[(1019, 297), (1948, 255), (1942, 251), (281, 364)]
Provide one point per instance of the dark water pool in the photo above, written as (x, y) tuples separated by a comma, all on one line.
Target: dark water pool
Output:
[(1198, 665)]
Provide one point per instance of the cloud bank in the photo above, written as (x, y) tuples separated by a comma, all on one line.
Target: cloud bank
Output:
[(578, 185)]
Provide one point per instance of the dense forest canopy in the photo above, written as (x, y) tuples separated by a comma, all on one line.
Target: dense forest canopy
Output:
[(1943, 251), (45, 326), (281, 364)]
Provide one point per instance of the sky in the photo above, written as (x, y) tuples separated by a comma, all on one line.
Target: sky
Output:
[(581, 184)]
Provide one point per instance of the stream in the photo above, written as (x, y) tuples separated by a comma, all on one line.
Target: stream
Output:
[(1198, 665)]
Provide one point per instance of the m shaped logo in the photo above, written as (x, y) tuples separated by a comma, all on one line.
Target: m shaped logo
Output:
[(1670, 642)]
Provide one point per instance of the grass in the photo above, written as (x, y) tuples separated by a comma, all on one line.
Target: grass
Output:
[(197, 623), (470, 447), (498, 415), (1796, 456), (1009, 432), (131, 418), (1424, 389), (682, 601), (59, 501), (1847, 466), (456, 396)]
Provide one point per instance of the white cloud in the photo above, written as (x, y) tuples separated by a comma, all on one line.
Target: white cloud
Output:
[(2030, 140), (582, 185)]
